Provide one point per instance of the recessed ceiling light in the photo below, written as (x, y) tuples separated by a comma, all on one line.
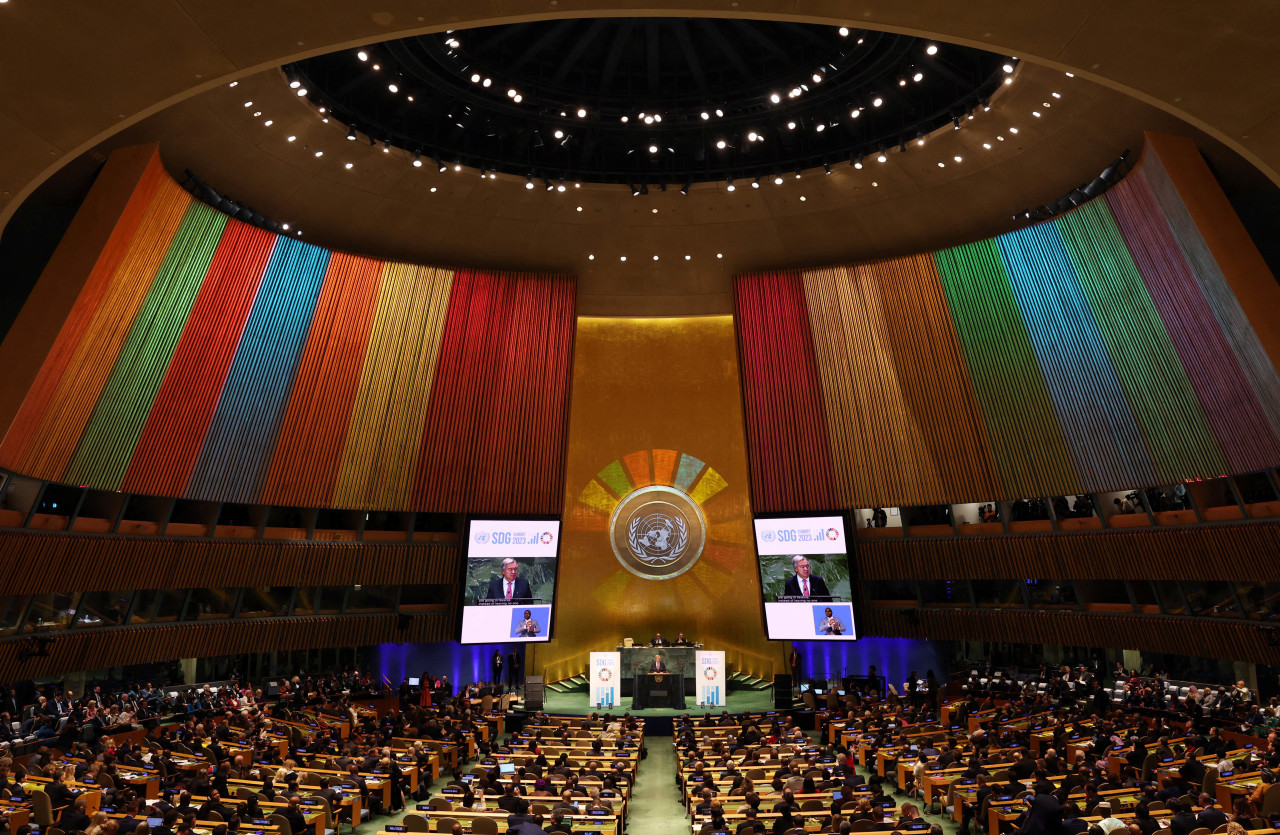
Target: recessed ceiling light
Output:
[(844, 31), (475, 78), (931, 49), (269, 123), (719, 254), (488, 82), (802, 198), (302, 91), (1013, 130), (1057, 95), (582, 113), (959, 159), (395, 88), (623, 258), (233, 84), (248, 104), (291, 138), (433, 189), (688, 257), (319, 153), (942, 165), (918, 77), (1071, 75), (349, 166), (775, 98), (362, 55), (1007, 68), (591, 257), (882, 158), (655, 258), (987, 145), (877, 101), (855, 113), (1008, 80)]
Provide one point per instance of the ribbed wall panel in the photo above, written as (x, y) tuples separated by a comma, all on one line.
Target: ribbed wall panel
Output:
[(1224, 393), (207, 359), (304, 468), (499, 408), (1253, 358), (1100, 350), (170, 441), (877, 446), (68, 410), (1026, 440), (1095, 417), (237, 448), (22, 431), (127, 399), (1154, 382), (789, 456), (381, 453)]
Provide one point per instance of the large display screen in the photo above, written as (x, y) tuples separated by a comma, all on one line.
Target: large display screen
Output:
[(805, 579), (510, 585)]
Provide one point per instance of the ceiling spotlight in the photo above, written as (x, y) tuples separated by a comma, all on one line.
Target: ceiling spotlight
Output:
[(269, 123), (844, 31), (777, 181), (475, 78), (519, 98), (752, 136), (705, 115), (1013, 130), (349, 166), (653, 149), (918, 77), (655, 258), (351, 134), (755, 183), (857, 162), (931, 49), (720, 112), (591, 257), (817, 78), (625, 120), (797, 173), (511, 94), (721, 144), (488, 82), (826, 167), (393, 88), (291, 138), (959, 159), (881, 157), (528, 181), (559, 134), (1007, 68), (582, 113), (417, 159), (877, 101), (791, 125), (295, 84), (1008, 79), (956, 122), (648, 120), (855, 113), (688, 258), (775, 98), (635, 192), (902, 82), (440, 166), (657, 117), (729, 186), (684, 189), (550, 185)]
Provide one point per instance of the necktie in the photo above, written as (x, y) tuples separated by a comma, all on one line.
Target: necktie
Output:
[(508, 589), (805, 585)]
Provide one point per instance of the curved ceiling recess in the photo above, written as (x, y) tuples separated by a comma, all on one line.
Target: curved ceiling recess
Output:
[(648, 101)]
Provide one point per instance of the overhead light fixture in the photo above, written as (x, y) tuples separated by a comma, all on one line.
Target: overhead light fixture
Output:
[(877, 101), (440, 166), (826, 167), (777, 181), (684, 189), (881, 157), (528, 181), (755, 183), (635, 190), (582, 113), (931, 49), (729, 186), (351, 134)]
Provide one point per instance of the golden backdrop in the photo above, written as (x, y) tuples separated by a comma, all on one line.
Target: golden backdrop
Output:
[(656, 402)]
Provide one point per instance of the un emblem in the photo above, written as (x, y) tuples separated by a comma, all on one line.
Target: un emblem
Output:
[(657, 532)]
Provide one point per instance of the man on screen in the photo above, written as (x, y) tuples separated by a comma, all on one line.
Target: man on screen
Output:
[(529, 627), (830, 624), (510, 586), (657, 666), (802, 583)]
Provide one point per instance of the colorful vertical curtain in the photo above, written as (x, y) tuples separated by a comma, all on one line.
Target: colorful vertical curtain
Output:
[(1101, 350), (211, 360)]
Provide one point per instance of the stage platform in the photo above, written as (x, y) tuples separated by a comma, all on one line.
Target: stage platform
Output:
[(737, 701)]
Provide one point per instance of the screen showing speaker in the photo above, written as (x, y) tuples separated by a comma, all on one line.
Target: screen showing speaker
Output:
[(510, 581), (805, 578)]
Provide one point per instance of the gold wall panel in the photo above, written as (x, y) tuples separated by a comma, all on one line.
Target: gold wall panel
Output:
[(656, 402)]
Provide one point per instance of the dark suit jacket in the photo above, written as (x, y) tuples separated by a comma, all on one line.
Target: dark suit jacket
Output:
[(658, 666), (498, 589), (817, 587), (659, 642)]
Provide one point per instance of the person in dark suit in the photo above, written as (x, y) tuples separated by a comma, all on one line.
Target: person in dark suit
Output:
[(682, 641), (802, 583), (293, 814), (659, 641), (657, 666), (510, 586)]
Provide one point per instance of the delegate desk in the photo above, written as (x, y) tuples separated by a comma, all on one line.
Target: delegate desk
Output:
[(635, 662), (658, 690)]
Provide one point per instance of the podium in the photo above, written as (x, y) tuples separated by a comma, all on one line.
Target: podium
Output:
[(637, 660), (658, 690)]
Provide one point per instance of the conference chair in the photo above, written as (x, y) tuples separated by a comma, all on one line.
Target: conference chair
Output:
[(283, 823), (416, 823), (214, 816), (1270, 802), (42, 808), (445, 824), (439, 804), (484, 826), (1201, 830), (1210, 783)]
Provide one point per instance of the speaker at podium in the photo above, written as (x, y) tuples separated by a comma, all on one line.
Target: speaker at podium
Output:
[(782, 691)]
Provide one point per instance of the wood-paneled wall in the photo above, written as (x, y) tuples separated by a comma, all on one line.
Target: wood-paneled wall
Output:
[(1244, 552), (37, 562), (96, 649), (1237, 640)]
